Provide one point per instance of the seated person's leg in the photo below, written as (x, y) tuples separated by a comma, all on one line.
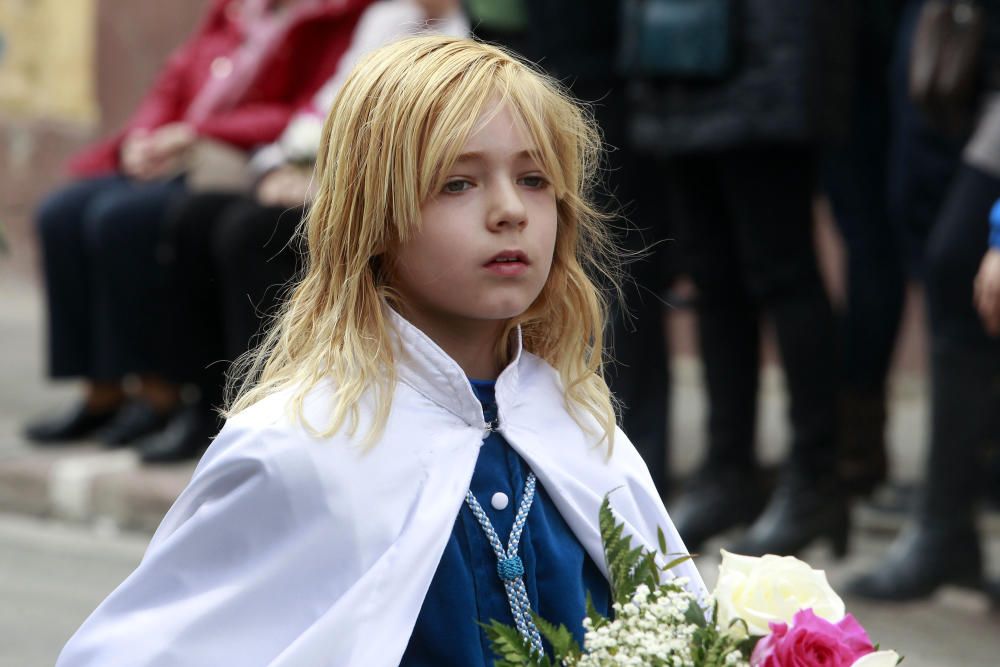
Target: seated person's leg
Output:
[(122, 234), (65, 263), (194, 325)]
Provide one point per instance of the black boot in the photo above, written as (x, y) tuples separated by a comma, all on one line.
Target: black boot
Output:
[(77, 423), (717, 500), (186, 436), (136, 419), (801, 511), (922, 559), (943, 546)]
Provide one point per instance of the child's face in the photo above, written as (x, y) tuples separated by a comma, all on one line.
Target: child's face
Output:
[(484, 247)]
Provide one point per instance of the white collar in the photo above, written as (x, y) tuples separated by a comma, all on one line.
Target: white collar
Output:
[(426, 368)]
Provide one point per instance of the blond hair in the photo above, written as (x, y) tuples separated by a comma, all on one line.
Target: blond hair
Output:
[(396, 127)]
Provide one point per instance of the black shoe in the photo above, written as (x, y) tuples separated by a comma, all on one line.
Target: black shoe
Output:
[(135, 420), (717, 501), (76, 423), (920, 561), (186, 436), (800, 512)]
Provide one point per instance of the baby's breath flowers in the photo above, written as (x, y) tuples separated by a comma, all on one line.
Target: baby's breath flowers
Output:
[(652, 629)]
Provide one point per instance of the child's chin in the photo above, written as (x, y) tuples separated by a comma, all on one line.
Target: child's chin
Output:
[(506, 311), (508, 306)]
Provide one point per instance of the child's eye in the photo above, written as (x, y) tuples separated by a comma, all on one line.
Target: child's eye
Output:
[(458, 185), (536, 182)]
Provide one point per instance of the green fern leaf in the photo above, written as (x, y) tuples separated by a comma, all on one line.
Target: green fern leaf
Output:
[(647, 571), (560, 638), (618, 552), (510, 647), (696, 615), (596, 618), (677, 561)]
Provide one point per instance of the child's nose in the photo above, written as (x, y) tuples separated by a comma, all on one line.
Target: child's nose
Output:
[(508, 208)]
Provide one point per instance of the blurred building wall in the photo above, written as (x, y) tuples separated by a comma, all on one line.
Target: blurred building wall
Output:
[(71, 71), (46, 59)]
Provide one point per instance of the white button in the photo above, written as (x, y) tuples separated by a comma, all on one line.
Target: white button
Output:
[(500, 501), (222, 67)]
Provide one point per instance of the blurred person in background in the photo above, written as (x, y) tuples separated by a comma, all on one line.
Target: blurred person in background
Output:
[(233, 85), (230, 255), (578, 42), (886, 184), (735, 100), (855, 178), (941, 543)]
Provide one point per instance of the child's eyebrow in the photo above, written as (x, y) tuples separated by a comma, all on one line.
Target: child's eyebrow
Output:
[(480, 156)]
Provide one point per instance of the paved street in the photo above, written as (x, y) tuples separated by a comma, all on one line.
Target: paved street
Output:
[(52, 575)]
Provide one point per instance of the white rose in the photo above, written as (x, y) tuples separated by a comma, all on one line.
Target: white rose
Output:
[(878, 659), (772, 589)]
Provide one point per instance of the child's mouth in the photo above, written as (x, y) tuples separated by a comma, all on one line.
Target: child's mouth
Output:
[(508, 263)]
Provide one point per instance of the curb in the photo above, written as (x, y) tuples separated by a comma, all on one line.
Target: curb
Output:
[(86, 484)]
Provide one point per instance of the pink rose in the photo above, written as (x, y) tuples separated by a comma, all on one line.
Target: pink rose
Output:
[(812, 641)]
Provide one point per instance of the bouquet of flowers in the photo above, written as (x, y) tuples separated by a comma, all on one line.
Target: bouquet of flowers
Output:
[(764, 612)]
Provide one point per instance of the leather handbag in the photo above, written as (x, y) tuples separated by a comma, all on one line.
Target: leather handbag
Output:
[(684, 39), (945, 60)]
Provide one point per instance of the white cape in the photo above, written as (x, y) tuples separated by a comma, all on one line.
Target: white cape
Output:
[(289, 550)]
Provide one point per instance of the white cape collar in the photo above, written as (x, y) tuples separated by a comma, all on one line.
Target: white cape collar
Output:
[(431, 372)]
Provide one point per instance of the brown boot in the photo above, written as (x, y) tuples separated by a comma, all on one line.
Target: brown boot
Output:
[(863, 461)]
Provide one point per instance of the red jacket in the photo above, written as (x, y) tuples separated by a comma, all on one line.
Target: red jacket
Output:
[(305, 59)]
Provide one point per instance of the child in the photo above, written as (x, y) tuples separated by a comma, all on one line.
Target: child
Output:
[(350, 511)]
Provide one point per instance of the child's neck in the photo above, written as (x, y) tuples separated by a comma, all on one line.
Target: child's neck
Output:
[(472, 344)]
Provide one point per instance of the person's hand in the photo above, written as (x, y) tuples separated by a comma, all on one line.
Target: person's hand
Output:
[(147, 155), (169, 145), (137, 155), (172, 139), (288, 185), (986, 292)]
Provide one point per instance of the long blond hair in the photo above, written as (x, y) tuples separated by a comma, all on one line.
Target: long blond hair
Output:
[(396, 127)]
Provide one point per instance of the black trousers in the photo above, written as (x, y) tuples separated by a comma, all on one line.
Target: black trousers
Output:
[(855, 176), (639, 376), (746, 232), (229, 262), (955, 249), (103, 281)]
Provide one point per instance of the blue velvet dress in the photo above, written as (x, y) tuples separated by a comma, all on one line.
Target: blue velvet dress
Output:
[(466, 589)]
